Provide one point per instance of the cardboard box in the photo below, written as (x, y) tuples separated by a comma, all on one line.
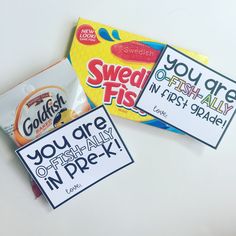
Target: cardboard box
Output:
[(113, 66)]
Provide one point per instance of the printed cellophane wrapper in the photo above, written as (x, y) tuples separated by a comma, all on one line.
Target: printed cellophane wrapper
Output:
[(45, 101)]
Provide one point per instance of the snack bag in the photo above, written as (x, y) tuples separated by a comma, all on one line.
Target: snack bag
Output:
[(44, 102), (113, 66)]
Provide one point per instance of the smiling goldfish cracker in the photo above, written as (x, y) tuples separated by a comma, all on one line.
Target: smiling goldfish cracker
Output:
[(44, 102)]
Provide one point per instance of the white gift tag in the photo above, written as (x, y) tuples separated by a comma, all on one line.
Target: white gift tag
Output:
[(74, 157), (189, 96)]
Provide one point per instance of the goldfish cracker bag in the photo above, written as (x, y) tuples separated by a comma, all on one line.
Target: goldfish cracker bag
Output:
[(44, 102), (113, 66)]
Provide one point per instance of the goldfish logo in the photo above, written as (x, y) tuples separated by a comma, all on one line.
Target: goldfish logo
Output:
[(36, 113)]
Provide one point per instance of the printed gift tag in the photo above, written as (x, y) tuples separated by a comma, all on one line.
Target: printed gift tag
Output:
[(72, 158), (189, 96)]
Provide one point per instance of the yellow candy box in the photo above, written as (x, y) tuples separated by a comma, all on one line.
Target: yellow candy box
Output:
[(113, 66)]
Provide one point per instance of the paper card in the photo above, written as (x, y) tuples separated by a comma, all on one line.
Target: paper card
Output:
[(189, 96), (74, 157)]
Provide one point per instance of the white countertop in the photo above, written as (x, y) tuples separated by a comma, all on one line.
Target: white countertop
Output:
[(177, 186)]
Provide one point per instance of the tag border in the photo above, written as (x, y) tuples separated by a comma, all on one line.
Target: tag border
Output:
[(35, 179), (154, 68)]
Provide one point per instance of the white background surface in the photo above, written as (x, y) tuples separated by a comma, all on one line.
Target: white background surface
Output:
[(178, 186)]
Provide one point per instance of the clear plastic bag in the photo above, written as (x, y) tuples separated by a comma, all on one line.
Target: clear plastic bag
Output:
[(44, 102)]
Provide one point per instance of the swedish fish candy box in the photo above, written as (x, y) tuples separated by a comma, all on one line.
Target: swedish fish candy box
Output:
[(113, 66)]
